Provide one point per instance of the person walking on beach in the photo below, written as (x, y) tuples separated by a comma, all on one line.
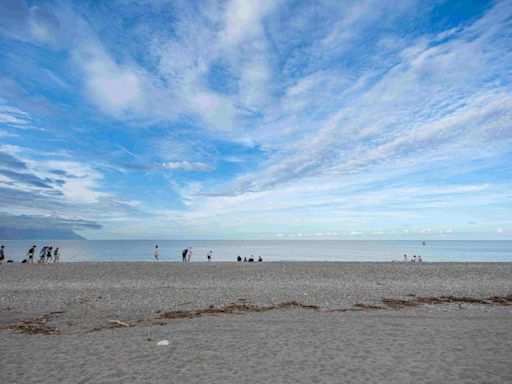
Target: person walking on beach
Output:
[(42, 254), (189, 253), (49, 254), (209, 255), (184, 255), (2, 254), (56, 255), (30, 254), (157, 253)]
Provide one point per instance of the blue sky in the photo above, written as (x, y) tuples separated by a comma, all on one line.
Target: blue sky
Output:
[(257, 119)]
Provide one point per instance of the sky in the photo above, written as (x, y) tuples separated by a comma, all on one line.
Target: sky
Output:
[(243, 119)]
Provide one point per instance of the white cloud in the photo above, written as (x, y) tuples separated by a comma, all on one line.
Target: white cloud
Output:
[(243, 19), (14, 116), (187, 166), (114, 88)]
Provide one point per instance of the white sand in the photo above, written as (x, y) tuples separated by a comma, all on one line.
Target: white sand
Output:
[(462, 343)]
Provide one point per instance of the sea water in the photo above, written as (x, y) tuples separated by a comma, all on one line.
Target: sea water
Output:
[(269, 250)]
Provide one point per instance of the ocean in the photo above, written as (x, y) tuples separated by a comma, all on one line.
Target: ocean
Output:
[(270, 250)]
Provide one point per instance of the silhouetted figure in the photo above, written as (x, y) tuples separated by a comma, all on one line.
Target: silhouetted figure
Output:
[(209, 255), (49, 254), (56, 255), (42, 254), (184, 254), (260, 259), (2, 253), (238, 258), (245, 258), (30, 254)]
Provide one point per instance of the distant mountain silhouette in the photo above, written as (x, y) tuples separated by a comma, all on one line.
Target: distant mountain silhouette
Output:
[(33, 234)]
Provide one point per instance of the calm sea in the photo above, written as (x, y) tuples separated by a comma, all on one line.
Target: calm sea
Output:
[(270, 250)]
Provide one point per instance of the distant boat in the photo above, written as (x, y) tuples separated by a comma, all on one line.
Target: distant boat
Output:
[(424, 243)]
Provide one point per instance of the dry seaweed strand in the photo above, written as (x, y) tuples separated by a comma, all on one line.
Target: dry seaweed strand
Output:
[(35, 326), (233, 308), (416, 301)]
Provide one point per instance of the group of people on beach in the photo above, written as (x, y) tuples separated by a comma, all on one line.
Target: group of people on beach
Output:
[(47, 254), (186, 255), (414, 259), (250, 260)]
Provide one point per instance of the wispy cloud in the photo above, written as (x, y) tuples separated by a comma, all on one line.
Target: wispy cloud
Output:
[(197, 166)]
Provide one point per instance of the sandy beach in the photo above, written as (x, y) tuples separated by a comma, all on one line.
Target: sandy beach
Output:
[(256, 323)]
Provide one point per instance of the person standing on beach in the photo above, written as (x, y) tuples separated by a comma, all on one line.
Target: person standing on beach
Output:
[(2, 254), (405, 258), (209, 255), (189, 253), (56, 255), (30, 254), (49, 254), (157, 253), (184, 255), (42, 254)]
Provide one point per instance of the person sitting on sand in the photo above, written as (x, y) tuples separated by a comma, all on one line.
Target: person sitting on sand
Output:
[(209, 256), (184, 255), (260, 259), (56, 255), (251, 259), (239, 258), (2, 253), (245, 259), (42, 254), (157, 253), (30, 254)]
